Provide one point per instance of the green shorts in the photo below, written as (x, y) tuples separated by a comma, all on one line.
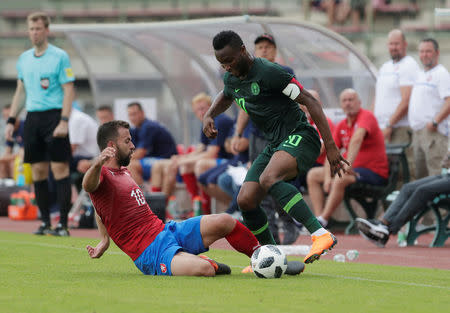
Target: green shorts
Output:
[(303, 144)]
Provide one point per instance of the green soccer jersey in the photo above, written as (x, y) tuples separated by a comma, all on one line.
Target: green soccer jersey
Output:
[(260, 95)]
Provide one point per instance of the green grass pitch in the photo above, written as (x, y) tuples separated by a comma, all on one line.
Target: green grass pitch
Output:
[(48, 274)]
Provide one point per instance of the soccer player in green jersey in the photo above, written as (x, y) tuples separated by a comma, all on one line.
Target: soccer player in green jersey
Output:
[(270, 97)]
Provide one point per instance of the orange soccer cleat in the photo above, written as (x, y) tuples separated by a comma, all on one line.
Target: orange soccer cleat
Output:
[(247, 269), (320, 244)]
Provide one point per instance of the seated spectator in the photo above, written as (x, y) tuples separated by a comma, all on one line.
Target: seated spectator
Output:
[(410, 201), (209, 180), (104, 114), (337, 10), (153, 142), (9, 156), (361, 138), (357, 11), (82, 142), (323, 155), (164, 172), (232, 185)]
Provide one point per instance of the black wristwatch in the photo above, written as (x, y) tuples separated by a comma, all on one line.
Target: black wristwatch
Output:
[(11, 120), (435, 124), (64, 118)]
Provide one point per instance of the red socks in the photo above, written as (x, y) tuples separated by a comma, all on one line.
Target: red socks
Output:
[(191, 184), (155, 189), (206, 203), (242, 239)]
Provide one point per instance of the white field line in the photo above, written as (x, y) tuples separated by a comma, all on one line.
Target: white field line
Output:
[(29, 243), (41, 244), (381, 281)]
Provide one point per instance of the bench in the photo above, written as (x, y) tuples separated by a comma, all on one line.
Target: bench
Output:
[(440, 227), (397, 11), (369, 196), (16, 17)]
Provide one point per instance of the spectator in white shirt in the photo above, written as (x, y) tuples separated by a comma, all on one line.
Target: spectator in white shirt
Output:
[(429, 110), (82, 130), (393, 89)]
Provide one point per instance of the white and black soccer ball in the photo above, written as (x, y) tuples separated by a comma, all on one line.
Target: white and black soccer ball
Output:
[(269, 262)]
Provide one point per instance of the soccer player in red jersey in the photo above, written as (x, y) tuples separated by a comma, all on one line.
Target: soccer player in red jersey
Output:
[(123, 215)]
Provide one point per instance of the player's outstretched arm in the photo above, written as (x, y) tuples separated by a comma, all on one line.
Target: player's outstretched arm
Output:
[(315, 109), (220, 105), (103, 245), (91, 179)]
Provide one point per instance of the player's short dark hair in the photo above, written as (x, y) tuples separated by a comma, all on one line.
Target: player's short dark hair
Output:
[(105, 108), (135, 103), (109, 132), (227, 38), (36, 16), (433, 41)]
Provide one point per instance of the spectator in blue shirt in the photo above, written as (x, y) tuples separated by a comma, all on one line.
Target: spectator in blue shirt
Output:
[(153, 142), (212, 151)]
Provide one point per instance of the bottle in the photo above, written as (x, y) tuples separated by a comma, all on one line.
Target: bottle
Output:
[(20, 176), (197, 206), (352, 255), (401, 239), (339, 258), (172, 208), (401, 236)]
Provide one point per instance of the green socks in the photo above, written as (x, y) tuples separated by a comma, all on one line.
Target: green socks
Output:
[(291, 200), (256, 221)]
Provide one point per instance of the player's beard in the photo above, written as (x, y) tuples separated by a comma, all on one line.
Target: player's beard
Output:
[(123, 159)]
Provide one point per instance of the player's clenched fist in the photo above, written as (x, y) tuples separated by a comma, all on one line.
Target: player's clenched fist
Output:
[(209, 129), (107, 154)]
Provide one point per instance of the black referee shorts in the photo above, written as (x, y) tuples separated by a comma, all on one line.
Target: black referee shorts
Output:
[(39, 143)]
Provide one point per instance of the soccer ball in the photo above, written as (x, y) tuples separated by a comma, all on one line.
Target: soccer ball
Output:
[(268, 262)]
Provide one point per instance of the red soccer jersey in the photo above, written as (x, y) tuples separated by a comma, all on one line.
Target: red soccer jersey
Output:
[(323, 155), (121, 205), (372, 154)]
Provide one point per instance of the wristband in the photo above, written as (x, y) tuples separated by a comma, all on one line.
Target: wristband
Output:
[(435, 124), (239, 135), (11, 120), (64, 118)]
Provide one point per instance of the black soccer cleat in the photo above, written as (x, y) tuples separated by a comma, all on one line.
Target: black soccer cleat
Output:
[(44, 229), (222, 269), (294, 268), (60, 231)]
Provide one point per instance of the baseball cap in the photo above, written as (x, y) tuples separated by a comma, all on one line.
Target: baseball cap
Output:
[(267, 37)]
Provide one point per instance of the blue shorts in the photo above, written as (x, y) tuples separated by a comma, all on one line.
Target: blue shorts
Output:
[(212, 175), (220, 161), (146, 164), (367, 176), (176, 236)]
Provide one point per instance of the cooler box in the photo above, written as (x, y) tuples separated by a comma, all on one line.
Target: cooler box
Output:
[(23, 206), (5, 196), (157, 203)]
